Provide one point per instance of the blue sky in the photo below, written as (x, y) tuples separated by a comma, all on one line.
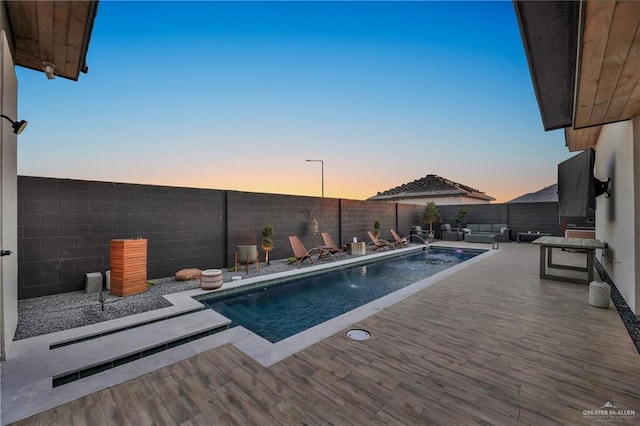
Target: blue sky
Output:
[(236, 95)]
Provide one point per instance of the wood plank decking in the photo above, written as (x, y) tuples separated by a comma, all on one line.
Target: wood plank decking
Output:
[(491, 344)]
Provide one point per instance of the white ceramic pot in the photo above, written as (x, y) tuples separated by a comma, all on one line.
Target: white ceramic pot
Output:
[(247, 254)]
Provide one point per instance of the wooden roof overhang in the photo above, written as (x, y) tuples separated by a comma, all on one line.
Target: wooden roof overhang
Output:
[(606, 77), (52, 31)]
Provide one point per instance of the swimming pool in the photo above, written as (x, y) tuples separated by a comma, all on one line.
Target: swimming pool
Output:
[(278, 309)]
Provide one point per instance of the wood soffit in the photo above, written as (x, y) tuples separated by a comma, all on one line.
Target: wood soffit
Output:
[(608, 87), (53, 31), (581, 139)]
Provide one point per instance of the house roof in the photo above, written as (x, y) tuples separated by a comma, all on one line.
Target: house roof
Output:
[(430, 186), (583, 58), (547, 194), (56, 32)]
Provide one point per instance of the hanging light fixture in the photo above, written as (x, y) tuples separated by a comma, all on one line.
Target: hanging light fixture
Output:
[(18, 126)]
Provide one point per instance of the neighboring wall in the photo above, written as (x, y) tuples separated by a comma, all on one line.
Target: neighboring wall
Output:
[(65, 226), (616, 217), (521, 217)]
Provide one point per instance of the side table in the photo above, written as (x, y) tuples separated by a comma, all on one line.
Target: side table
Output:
[(357, 249)]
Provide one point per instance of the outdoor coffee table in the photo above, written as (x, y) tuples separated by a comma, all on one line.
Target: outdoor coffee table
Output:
[(547, 244)]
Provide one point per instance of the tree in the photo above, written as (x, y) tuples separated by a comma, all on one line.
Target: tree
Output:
[(459, 217), (431, 214)]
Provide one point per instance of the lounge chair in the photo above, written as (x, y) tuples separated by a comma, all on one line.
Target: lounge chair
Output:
[(378, 243), (400, 241), (330, 245), (301, 254)]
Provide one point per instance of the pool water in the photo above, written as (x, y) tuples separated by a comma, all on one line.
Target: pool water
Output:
[(281, 309)]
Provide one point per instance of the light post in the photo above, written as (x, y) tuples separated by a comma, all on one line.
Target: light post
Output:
[(322, 163)]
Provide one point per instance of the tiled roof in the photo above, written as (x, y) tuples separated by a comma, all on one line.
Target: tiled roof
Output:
[(430, 186), (548, 194)]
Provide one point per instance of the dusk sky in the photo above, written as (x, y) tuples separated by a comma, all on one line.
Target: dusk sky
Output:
[(237, 95)]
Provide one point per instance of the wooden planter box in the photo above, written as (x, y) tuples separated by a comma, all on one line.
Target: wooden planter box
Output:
[(128, 267)]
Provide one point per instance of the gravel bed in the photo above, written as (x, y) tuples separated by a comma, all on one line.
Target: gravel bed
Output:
[(630, 320), (48, 314)]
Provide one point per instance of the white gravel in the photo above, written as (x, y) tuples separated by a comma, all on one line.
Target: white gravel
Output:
[(48, 314)]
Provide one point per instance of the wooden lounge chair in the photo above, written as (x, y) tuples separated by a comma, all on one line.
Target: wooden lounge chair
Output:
[(378, 243), (301, 254), (400, 241), (330, 245)]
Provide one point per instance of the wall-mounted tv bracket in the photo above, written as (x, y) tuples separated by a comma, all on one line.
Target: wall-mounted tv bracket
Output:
[(602, 187)]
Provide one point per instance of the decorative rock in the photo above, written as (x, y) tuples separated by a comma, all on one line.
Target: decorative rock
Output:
[(188, 274)]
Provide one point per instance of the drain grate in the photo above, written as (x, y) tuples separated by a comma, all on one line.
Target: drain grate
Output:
[(358, 334)]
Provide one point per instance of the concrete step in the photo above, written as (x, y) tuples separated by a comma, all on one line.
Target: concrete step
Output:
[(127, 345)]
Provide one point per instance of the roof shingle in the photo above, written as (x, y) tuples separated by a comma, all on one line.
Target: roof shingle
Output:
[(430, 186)]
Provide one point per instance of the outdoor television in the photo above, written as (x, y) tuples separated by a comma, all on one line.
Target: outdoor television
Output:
[(577, 186)]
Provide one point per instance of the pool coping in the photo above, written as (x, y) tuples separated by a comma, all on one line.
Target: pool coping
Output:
[(28, 390)]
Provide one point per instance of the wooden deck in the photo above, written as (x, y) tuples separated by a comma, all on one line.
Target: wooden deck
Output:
[(491, 344)]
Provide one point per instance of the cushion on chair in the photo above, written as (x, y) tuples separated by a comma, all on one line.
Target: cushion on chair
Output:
[(497, 227), (479, 238), (485, 227), (473, 227)]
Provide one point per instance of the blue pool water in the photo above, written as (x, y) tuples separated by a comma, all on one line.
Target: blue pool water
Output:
[(281, 309)]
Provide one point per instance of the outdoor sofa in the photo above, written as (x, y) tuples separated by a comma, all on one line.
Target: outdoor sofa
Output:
[(486, 233)]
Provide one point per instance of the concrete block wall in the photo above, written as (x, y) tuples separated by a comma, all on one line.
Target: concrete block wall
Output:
[(289, 215), (65, 226), (521, 217), (358, 217), (410, 215), (541, 217)]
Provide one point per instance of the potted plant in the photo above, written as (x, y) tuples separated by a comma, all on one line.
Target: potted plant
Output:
[(430, 215), (376, 229), (267, 242), (458, 219)]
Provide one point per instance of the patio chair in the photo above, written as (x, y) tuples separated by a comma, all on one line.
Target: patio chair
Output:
[(399, 241), (301, 254), (378, 243), (330, 244)]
